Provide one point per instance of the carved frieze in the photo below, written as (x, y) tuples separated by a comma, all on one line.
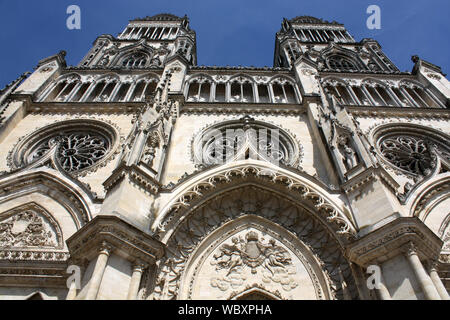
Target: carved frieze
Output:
[(250, 253), (26, 229), (29, 226), (272, 261)]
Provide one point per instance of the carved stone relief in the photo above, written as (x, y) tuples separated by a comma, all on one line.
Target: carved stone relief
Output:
[(349, 156), (78, 146), (412, 154), (446, 240), (251, 258), (27, 228), (236, 260)]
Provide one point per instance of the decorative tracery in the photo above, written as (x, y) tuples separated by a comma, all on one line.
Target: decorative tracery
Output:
[(414, 153), (340, 63), (72, 146), (135, 60), (244, 139), (74, 150), (241, 88)]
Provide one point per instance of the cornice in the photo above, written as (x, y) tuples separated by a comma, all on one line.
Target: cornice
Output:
[(85, 107), (133, 174), (113, 68), (390, 240), (121, 237), (161, 17), (382, 112), (60, 57), (226, 68), (240, 108), (325, 72), (12, 254), (368, 175), (34, 274)]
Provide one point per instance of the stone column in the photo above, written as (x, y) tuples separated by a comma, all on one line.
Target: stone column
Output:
[(382, 291), (424, 280), (438, 282), (345, 291), (97, 275), (136, 277), (72, 294)]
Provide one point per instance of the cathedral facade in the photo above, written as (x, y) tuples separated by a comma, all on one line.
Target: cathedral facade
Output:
[(138, 174)]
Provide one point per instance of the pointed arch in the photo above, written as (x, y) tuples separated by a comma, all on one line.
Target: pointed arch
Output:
[(255, 293), (426, 196), (46, 232), (140, 47), (198, 88), (315, 195), (68, 193), (344, 59), (35, 296), (62, 88), (241, 78), (243, 207)]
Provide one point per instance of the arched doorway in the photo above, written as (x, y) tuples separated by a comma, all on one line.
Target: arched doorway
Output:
[(251, 238)]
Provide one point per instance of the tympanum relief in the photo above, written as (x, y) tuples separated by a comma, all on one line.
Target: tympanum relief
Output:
[(252, 258), (27, 229)]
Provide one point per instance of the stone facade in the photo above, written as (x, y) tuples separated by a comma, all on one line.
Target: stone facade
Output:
[(122, 168)]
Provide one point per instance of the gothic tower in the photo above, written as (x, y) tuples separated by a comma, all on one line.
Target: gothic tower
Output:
[(139, 175)]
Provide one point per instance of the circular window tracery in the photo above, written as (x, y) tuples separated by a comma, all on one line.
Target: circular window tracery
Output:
[(74, 150), (412, 150), (245, 139), (76, 146)]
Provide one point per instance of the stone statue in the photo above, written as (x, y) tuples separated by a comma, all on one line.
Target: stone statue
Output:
[(349, 156), (149, 156)]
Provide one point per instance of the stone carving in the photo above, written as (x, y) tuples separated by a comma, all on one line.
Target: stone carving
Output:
[(412, 154), (433, 76), (349, 157), (245, 139), (26, 229), (238, 204), (75, 151), (308, 72), (446, 240), (153, 143), (46, 69), (104, 61), (156, 61), (274, 260)]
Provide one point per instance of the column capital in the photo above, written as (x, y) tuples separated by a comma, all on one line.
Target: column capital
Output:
[(410, 249), (105, 248), (433, 265), (404, 235), (139, 266), (105, 234)]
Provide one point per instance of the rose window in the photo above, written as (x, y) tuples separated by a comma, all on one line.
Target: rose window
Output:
[(413, 154), (74, 151), (235, 140), (73, 145)]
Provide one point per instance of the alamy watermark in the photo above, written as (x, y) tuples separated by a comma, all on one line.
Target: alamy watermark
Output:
[(374, 20), (73, 22), (75, 276), (374, 280)]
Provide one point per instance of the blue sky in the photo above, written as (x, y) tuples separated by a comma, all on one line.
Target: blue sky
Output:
[(231, 32)]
